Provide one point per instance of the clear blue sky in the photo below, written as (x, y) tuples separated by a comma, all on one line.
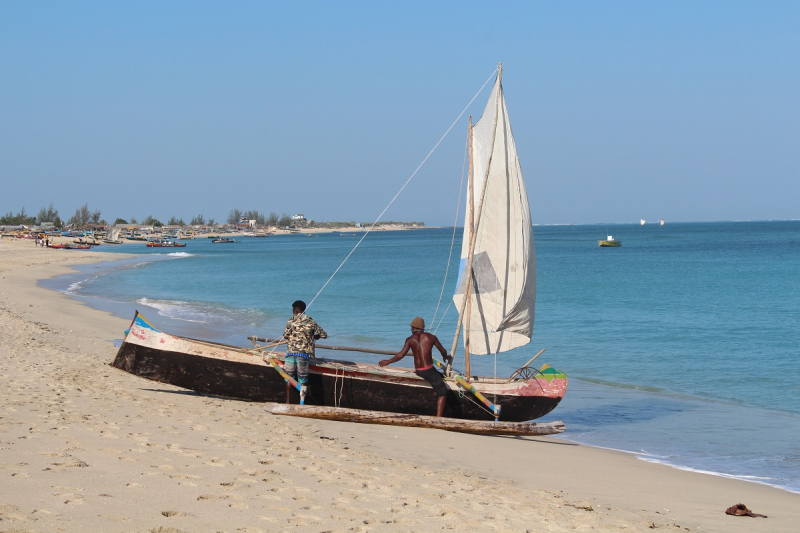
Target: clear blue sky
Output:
[(686, 110)]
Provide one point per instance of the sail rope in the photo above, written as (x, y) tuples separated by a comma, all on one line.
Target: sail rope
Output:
[(453, 240), (443, 315), (402, 188)]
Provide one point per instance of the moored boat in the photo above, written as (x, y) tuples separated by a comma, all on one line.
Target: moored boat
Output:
[(223, 240), (69, 246), (112, 237), (165, 244), (609, 242), (83, 242)]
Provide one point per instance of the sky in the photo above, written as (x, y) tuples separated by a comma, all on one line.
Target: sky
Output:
[(621, 110)]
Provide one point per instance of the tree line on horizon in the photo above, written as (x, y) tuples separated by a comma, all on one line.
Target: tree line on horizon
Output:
[(84, 216)]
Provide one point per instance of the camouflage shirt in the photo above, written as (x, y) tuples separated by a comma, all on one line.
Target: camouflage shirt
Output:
[(300, 332)]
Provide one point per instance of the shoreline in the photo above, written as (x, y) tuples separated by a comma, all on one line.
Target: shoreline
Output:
[(140, 444), (180, 326)]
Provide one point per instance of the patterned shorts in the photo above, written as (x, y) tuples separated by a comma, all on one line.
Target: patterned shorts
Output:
[(296, 366)]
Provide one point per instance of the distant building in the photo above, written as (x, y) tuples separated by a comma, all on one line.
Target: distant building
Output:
[(299, 217)]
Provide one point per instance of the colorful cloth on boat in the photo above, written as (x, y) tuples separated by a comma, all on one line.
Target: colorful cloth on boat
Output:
[(296, 365), (432, 376), (300, 332)]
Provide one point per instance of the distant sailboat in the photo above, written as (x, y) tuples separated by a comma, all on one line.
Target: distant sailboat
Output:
[(641, 222), (112, 237), (661, 223)]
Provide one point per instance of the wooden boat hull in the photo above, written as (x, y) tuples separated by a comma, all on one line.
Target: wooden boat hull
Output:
[(234, 372), (69, 247), (476, 427), (609, 244)]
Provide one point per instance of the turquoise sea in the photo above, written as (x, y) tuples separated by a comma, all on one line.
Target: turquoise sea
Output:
[(682, 345)]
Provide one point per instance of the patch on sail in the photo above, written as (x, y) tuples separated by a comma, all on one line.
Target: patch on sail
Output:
[(485, 276)]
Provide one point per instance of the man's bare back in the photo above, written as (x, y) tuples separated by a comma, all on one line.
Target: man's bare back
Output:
[(421, 345)]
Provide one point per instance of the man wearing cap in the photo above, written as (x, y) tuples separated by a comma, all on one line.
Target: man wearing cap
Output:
[(300, 333), (421, 344)]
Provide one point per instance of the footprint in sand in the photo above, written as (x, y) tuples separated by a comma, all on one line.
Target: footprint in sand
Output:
[(213, 497), (170, 514)]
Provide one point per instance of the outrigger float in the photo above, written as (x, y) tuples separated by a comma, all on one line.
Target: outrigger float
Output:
[(477, 427)]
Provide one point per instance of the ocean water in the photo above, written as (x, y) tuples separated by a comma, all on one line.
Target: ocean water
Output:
[(681, 345)]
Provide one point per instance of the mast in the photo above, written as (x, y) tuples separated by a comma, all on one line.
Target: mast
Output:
[(470, 229), (468, 290), (475, 223)]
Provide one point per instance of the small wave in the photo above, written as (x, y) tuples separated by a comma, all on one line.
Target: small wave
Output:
[(176, 309), (203, 313), (763, 480), (74, 287), (180, 254)]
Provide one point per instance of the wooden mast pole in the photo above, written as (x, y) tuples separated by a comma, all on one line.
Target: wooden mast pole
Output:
[(470, 251), (476, 219), (468, 289)]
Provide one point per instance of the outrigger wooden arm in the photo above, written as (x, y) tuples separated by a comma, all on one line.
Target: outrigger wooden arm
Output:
[(335, 348)]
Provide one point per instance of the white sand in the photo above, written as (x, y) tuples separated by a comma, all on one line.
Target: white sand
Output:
[(86, 447)]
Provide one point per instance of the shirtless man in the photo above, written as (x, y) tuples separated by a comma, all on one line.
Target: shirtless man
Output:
[(421, 344)]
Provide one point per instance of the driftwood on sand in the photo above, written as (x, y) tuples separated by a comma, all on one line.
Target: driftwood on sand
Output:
[(478, 427)]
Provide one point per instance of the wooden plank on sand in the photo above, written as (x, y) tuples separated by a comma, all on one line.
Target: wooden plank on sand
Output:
[(478, 427)]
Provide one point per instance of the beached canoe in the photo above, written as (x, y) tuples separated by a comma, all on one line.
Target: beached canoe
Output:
[(237, 372)]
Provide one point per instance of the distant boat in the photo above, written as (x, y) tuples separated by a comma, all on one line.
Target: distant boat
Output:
[(83, 242), (223, 240), (165, 244), (69, 247), (661, 223), (610, 242), (112, 237), (641, 222)]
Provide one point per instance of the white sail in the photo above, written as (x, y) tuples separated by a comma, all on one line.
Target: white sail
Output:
[(504, 264), (114, 235)]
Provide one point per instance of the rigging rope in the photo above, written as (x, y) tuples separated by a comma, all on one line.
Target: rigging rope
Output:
[(453, 240), (402, 188), (443, 315)]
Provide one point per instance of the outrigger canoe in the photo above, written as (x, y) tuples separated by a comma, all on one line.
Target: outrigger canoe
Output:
[(242, 373)]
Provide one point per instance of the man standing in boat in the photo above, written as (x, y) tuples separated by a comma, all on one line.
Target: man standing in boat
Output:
[(421, 344), (301, 332)]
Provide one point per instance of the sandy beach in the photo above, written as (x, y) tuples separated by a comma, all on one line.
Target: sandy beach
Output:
[(86, 447)]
